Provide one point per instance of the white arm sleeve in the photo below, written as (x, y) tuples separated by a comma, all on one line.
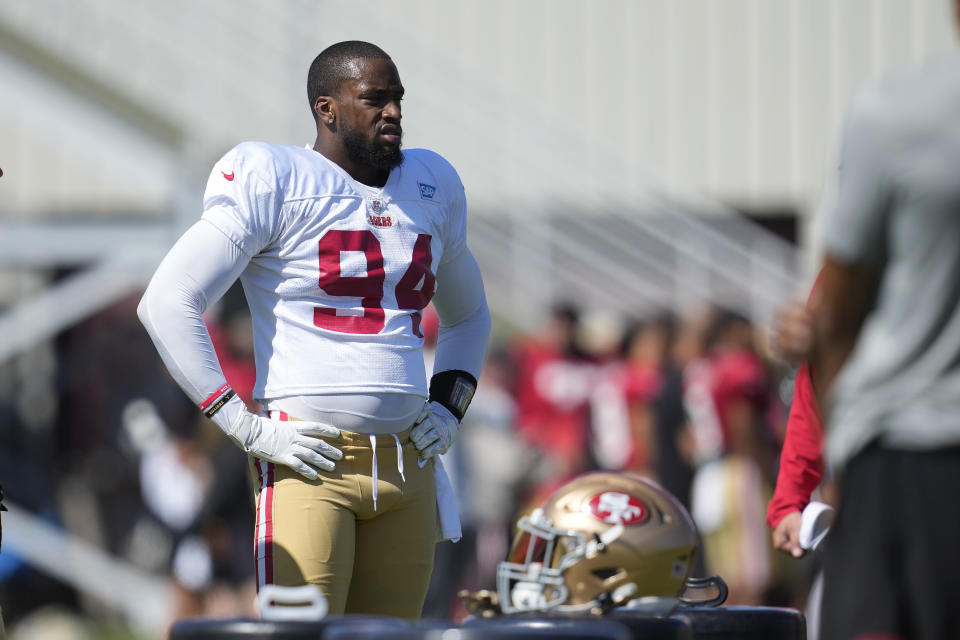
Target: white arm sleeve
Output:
[(196, 272), (464, 317)]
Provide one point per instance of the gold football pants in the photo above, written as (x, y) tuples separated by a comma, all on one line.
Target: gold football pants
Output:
[(364, 533)]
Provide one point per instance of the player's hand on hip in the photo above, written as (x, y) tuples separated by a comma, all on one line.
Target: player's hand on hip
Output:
[(434, 431), (293, 443), (786, 535)]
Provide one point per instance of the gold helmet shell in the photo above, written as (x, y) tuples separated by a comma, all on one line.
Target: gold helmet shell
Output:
[(604, 537)]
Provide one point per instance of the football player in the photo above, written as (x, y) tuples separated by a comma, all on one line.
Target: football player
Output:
[(339, 246)]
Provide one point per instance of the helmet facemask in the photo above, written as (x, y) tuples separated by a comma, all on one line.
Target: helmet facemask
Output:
[(602, 540), (532, 578)]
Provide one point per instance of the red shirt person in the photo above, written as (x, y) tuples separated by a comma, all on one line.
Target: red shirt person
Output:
[(552, 386), (801, 459), (801, 465)]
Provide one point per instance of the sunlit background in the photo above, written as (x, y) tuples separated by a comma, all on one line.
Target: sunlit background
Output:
[(631, 159)]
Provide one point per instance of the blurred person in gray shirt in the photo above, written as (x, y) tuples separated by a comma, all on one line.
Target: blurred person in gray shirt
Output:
[(887, 357)]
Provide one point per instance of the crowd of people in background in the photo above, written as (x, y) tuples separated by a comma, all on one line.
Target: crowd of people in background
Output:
[(692, 402)]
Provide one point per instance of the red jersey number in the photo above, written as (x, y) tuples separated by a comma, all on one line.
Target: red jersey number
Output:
[(416, 287), (413, 291)]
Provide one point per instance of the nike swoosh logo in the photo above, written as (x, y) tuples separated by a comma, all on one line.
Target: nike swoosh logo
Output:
[(228, 176), (422, 463)]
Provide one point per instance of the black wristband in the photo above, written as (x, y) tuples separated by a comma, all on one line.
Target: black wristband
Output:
[(217, 404), (453, 389)]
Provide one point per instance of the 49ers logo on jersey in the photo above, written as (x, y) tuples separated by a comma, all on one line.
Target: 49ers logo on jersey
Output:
[(615, 507), (377, 207)]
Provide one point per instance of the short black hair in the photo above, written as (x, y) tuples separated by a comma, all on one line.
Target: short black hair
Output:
[(329, 69)]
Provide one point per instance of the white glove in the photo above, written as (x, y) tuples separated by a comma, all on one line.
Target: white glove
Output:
[(291, 443), (434, 431)]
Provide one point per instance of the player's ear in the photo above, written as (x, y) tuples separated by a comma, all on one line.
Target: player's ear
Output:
[(324, 109)]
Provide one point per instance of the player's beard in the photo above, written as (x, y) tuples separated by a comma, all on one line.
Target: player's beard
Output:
[(366, 152)]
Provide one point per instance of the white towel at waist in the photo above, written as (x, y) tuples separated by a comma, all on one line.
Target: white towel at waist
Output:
[(448, 518)]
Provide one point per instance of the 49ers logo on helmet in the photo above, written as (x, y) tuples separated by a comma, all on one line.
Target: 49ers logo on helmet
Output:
[(615, 507)]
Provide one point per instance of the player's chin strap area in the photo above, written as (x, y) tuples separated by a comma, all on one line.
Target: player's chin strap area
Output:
[(702, 584)]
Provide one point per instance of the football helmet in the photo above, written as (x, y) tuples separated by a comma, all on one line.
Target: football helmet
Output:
[(600, 540)]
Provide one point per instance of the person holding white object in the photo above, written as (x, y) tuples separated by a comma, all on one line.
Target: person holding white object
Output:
[(799, 523), (339, 247), (801, 467), (815, 523)]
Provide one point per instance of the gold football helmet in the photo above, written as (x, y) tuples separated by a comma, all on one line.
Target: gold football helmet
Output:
[(602, 539)]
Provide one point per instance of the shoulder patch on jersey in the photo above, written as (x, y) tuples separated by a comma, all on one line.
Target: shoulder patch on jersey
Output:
[(427, 191)]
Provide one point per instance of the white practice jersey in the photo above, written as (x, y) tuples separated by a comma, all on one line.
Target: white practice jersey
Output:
[(338, 271)]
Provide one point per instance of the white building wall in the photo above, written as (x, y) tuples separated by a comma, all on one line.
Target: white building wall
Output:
[(548, 103)]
